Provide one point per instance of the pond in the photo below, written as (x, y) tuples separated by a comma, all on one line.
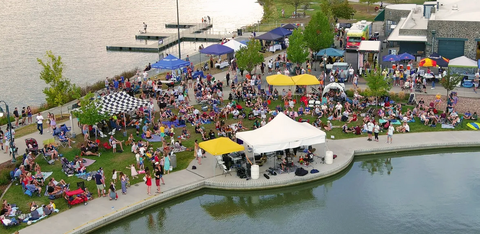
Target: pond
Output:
[(428, 193)]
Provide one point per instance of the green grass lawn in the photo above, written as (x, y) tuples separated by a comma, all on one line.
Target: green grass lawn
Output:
[(120, 161)]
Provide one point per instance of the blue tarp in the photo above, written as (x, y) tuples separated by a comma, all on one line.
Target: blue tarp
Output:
[(281, 31), (217, 49), (331, 52), (170, 63)]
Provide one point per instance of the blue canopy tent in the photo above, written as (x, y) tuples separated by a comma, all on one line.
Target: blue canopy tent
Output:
[(289, 26), (331, 52), (170, 63), (269, 36), (217, 49), (390, 58), (281, 31), (406, 56)]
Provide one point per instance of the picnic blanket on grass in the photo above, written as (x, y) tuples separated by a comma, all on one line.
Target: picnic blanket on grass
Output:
[(174, 123), (448, 126), (88, 162), (155, 138), (396, 121), (46, 175)]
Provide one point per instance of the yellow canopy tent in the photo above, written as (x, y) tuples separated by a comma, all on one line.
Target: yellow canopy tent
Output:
[(221, 145), (280, 80), (305, 79)]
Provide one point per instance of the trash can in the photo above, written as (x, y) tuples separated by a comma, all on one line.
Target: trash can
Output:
[(239, 32), (329, 157), (173, 160), (255, 172)]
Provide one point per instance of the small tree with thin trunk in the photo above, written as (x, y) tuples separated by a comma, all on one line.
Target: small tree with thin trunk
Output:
[(61, 90), (296, 4), (249, 57), (450, 81), (297, 50), (377, 84), (89, 111)]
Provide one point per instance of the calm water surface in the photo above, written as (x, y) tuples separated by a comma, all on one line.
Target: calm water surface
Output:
[(79, 31), (433, 193)]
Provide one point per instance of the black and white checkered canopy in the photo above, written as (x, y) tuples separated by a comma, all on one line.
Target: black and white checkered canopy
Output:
[(120, 102)]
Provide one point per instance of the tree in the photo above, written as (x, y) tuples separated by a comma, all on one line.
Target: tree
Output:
[(377, 84), (327, 10), (296, 4), (249, 57), (61, 90), (318, 33), (342, 10), (89, 110), (450, 81), (297, 49)]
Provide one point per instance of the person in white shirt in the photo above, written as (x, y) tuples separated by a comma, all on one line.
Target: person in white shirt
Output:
[(390, 134), (40, 123), (350, 73), (376, 130), (370, 127)]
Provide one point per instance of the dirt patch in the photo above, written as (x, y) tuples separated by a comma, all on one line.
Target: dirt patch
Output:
[(464, 104)]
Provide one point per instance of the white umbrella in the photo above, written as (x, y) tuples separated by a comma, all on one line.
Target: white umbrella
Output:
[(330, 86)]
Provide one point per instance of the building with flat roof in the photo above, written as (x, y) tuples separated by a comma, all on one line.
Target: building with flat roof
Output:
[(448, 27)]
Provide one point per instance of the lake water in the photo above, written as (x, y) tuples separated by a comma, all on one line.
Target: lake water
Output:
[(431, 193), (79, 31)]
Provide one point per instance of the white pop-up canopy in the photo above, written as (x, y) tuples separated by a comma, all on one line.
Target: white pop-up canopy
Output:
[(462, 61), (235, 45), (281, 133)]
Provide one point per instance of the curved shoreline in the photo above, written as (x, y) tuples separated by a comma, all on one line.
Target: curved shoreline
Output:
[(344, 160)]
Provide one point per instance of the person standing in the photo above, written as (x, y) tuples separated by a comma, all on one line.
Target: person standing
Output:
[(158, 176), (167, 164), (24, 116), (390, 131), (355, 81), (123, 181), (29, 114), (227, 78), (476, 82), (144, 27), (40, 123), (148, 181), (376, 130), (16, 115), (99, 183), (370, 127), (1, 138)]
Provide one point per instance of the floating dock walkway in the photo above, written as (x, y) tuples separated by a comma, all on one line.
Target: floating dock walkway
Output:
[(190, 32)]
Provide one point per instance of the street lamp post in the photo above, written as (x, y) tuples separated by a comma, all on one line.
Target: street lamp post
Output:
[(178, 33), (9, 126)]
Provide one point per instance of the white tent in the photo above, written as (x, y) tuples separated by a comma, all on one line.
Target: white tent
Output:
[(235, 45), (462, 61), (281, 133), (340, 86)]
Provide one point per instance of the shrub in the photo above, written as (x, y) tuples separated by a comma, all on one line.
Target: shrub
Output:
[(350, 92), (401, 96)]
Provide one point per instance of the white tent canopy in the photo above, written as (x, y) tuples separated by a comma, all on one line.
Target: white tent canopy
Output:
[(235, 45), (370, 46), (462, 61), (340, 86), (281, 133)]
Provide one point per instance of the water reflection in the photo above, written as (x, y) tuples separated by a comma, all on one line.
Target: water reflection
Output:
[(379, 165)]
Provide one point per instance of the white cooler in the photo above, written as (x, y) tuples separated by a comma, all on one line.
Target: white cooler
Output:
[(329, 157), (255, 170)]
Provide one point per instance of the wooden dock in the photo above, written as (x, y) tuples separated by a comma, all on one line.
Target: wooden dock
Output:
[(152, 48), (191, 32)]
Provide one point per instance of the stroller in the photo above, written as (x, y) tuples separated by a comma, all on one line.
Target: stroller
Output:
[(75, 197), (67, 167), (32, 146)]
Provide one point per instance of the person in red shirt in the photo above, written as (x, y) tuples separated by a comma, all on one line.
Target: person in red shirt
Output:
[(128, 85)]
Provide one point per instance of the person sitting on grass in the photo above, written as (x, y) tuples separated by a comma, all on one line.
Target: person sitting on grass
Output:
[(328, 126), (52, 188), (474, 116), (92, 146), (467, 115), (85, 152), (346, 129), (64, 138), (79, 167)]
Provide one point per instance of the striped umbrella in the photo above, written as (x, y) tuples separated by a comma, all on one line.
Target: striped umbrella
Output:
[(427, 62)]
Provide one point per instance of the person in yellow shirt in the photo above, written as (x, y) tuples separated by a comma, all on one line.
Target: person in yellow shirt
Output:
[(162, 131)]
